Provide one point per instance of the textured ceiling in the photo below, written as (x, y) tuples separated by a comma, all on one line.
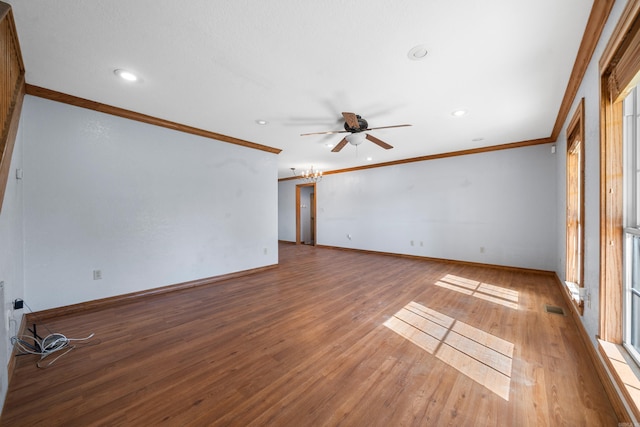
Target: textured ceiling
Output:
[(222, 65)]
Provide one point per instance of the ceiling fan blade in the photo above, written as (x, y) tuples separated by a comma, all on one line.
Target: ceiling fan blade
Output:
[(324, 133), (340, 145), (388, 127), (352, 120), (379, 142)]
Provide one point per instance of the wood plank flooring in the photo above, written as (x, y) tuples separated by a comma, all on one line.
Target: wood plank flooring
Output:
[(327, 338)]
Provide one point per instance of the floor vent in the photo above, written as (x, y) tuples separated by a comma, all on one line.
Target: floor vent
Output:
[(553, 309)]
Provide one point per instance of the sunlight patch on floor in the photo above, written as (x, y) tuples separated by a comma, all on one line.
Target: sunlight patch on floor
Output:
[(484, 291), (483, 357)]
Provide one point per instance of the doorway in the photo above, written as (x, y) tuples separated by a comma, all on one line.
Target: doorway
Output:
[(306, 231)]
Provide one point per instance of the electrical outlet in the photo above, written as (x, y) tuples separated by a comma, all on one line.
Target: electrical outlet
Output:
[(97, 274)]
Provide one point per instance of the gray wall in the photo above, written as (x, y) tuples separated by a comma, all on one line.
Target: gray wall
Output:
[(147, 206), (495, 208)]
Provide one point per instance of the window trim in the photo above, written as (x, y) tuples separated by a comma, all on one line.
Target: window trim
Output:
[(576, 140), (618, 67), (612, 89)]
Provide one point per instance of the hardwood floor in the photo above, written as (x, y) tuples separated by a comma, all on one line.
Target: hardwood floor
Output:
[(329, 337)]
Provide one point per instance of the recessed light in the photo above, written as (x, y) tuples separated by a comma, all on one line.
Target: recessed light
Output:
[(126, 75), (369, 159), (417, 53), (459, 113), (329, 145), (262, 122), (477, 139)]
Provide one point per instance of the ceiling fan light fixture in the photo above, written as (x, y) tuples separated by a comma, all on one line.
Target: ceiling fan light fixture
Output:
[(354, 125), (356, 138)]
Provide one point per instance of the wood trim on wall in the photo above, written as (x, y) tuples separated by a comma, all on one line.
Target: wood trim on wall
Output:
[(611, 214), (621, 367), (620, 34), (436, 156), (622, 49), (597, 20), (621, 44), (442, 260), (132, 115), (103, 303), (12, 90), (598, 363)]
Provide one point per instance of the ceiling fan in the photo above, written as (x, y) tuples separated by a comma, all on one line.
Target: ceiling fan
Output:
[(354, 124)]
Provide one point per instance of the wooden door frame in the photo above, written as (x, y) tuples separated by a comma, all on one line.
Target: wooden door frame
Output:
[(298, 221)]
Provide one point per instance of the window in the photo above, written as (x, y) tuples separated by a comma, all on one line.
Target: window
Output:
[(619, 68), (631, 176), (575, 207), (619, 246)]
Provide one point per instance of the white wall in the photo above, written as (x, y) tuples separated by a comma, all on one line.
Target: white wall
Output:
[(495, 208), (146, 205), (11, 261), (590, 91)]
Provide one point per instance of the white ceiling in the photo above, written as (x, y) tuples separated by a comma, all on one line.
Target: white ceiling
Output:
[(222, 65)]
